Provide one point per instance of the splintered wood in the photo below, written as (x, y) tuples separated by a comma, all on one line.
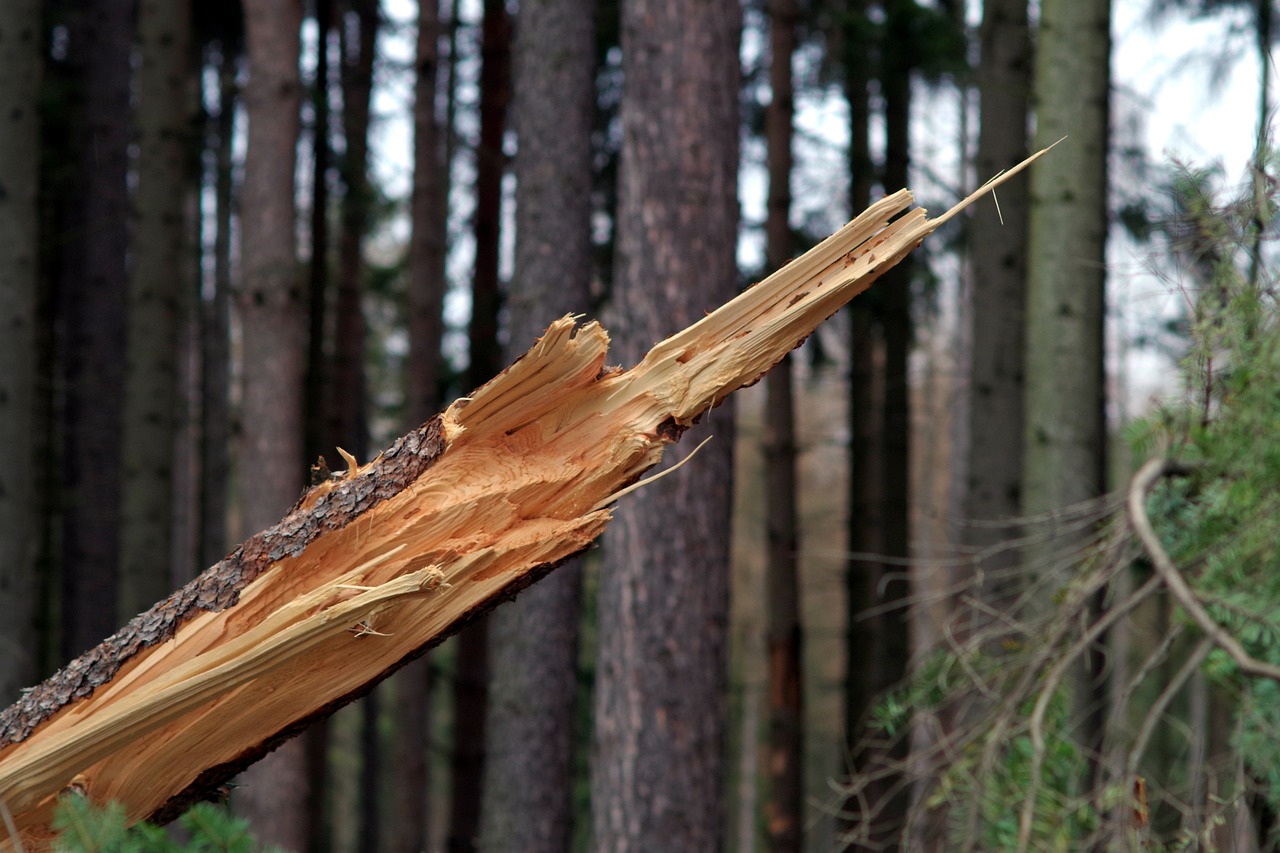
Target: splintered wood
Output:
[(372, 568)]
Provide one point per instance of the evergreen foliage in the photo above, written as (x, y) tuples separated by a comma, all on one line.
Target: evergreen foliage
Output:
[(83, 827)]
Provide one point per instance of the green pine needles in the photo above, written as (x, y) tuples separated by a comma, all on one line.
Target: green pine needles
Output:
[(83, 827)]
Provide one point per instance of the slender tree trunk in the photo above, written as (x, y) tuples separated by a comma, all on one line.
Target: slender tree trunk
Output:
[(158, 288), (319, 439), (348, 413), (318, 392), (472, 678), (20, 47), (880, 474), (92, 302), (215, 329), (272, 317), (999, 296), (784, 811), (533, 641), (865, 396), (429, 206), (1065, 434), (658, 774)]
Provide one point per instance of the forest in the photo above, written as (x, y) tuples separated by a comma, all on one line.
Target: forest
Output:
[(987, 562)]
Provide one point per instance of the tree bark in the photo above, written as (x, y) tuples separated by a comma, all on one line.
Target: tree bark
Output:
[(1065, 417), (658, 773), (784, 810), (471, 678), (272, 316), (533, 641), (215, 328), (20, 47), (160, 281), (92, 303), (348, 408), (372, 567), (429, 206), (999, 280)]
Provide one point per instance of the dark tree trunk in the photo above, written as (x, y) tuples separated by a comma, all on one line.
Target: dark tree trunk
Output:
[(784, 811), (429, 207), (472, 677), (20, 50), (215, 326), (92, 303), (533, 642), (272, 315), (348, 411), (319, 440), (999, 280), (658, 774), (879, 534), (158, 301)]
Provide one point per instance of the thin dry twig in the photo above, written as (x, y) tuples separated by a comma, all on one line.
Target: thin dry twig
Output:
[(1143, 482)]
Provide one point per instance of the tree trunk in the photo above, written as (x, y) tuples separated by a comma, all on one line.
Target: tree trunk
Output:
[(471, 679), (20, 50), (999, 298), (533, 641), (272, 316), (429, 206), (319, 438), (1065, 429), (215, 329), (348, 410), (660, 707), (879, 535), (784, 811), (372, 567), (92, 304), (160, 281)]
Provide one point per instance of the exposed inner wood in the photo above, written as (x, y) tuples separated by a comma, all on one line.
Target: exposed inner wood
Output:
[(370, 569)]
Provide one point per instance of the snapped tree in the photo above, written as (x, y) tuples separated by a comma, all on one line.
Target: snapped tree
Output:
[(371, 568)]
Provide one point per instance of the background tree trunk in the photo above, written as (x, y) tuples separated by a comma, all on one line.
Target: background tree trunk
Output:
[(20, 50), (215, 326), (1065, 425), (471, 679), (533, 641), (159, 289), (429, 207), (272, 316), (658, 774), (784, 810), (92, 305), (998, 301), (348, 409)]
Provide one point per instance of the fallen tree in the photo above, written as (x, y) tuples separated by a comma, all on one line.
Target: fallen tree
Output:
[(375, 566)]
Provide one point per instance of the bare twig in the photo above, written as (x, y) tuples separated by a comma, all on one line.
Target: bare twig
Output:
[(1143, 482)]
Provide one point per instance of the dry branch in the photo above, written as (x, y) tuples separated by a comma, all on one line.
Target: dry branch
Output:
[(370, 570)]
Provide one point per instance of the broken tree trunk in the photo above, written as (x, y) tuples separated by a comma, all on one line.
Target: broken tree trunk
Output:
[(372, 568)]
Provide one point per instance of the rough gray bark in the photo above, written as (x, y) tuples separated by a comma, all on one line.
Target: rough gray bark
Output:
[(999, 278), (20, 45), (658, 773), (272, 317), (533, 641), (160, 281), (1065, 419)]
